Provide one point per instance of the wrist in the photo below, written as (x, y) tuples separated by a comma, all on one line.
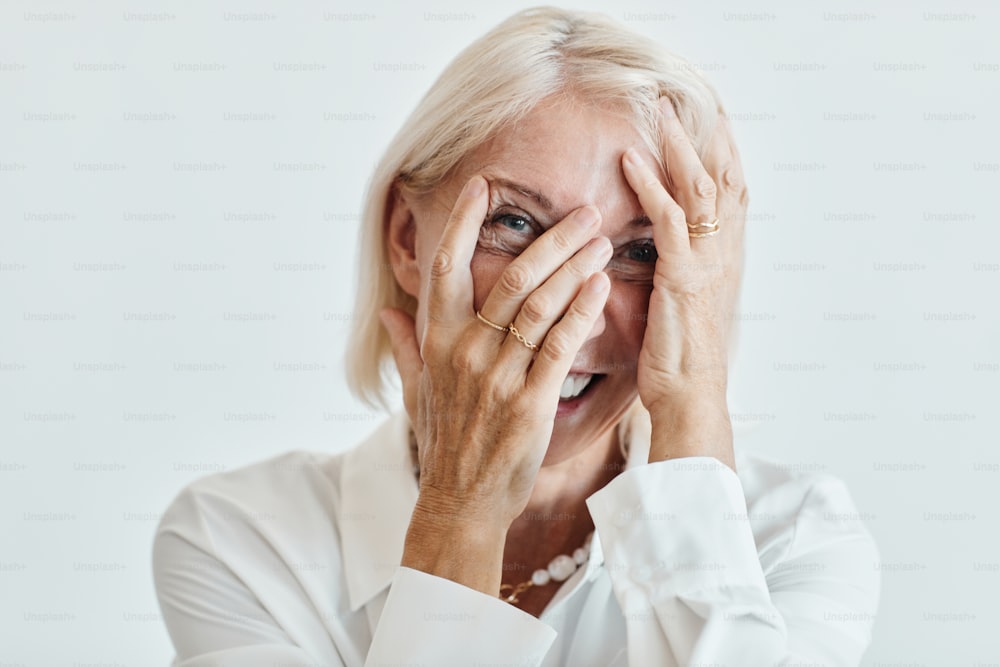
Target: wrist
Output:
[(437, 516), (692, 427), (447, 541), (686, 411)]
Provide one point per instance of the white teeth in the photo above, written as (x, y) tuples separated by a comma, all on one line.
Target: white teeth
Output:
[(574, 384)]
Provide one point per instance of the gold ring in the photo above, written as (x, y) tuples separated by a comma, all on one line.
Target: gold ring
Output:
[(704, 234), (524, 341), (704, 225), (492, 324)]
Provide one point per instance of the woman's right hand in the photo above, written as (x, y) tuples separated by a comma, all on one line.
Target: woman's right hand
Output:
[(481, 403)]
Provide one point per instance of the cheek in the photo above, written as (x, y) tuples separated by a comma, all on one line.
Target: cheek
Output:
[(627, 307), (486, 268)]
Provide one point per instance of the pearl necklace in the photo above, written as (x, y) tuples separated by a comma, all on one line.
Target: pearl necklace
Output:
[(560, 568)]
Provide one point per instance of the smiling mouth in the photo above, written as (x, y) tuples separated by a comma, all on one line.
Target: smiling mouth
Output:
[(577, 384)]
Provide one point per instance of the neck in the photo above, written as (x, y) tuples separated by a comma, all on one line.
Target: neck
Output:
[(557, 513)]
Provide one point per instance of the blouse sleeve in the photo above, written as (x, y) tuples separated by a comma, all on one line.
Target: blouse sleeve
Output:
[(212, 618), (686, 572), (429, 620)]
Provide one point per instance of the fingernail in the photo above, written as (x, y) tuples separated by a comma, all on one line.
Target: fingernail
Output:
[(633, 160), (597, 284), (599, 246), (587, 216), (667, 107), (475, 186)]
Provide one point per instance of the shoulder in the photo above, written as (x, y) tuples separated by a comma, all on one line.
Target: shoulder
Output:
[(294, 497), (292, 522), (288, 488), (249, 521), (257, 491)]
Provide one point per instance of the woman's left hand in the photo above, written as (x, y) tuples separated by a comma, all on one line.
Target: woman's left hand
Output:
[(683, 363)]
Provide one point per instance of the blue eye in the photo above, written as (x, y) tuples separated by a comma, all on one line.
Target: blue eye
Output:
[(508, 231), (514, 222), (642, 252)]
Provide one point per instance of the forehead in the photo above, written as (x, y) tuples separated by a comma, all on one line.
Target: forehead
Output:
[(569, 154)]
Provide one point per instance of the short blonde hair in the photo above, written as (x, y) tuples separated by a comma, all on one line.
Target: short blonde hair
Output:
[(494, 82)]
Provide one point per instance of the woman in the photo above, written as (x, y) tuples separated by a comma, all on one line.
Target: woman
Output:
[(551, 255)]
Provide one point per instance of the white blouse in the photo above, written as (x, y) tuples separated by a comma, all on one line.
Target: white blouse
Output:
[(294, 562)]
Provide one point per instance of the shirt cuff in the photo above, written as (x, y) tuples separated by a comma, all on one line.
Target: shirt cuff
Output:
[(678, 528), (435, 621)]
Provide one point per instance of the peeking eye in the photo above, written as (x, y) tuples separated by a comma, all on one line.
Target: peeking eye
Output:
[(644, 252), (634, 262), (514, 222), (508, 231)]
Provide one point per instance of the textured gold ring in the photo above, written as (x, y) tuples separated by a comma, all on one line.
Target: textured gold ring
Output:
[(492, 324), (524, 341)]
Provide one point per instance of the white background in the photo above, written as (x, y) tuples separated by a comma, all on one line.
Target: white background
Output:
[(164, 166)]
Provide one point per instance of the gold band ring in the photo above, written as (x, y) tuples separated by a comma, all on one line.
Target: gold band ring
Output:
[(492, 324), (712, 227), (704, 225), (703, 235), (524, 341)]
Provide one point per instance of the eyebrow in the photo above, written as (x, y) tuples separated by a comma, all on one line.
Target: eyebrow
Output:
[(541, 199), (546, 203)]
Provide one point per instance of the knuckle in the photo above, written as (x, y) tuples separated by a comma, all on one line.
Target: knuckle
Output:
[(494, 388), (557, 344), (525, 403), (429, 349), (561, 242), (581, 269), (516, 279), (464, 359), (674, 215), (675, 132), (650, 182), (732, 180), (581, 313), (704, 187), (536, 309), (442, 264)]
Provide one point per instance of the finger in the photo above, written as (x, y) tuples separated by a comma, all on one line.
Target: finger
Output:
[(722, 162), (449, 291), (670, 232), (405, 350), (539, 261), (690, 184), (547, 304), (555, 357), (731, 138), (718, 153)]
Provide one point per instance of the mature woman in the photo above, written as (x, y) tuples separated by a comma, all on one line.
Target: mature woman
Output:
[(551, 255)]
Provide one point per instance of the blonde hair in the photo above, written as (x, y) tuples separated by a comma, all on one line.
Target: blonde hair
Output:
[(494, 82)]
